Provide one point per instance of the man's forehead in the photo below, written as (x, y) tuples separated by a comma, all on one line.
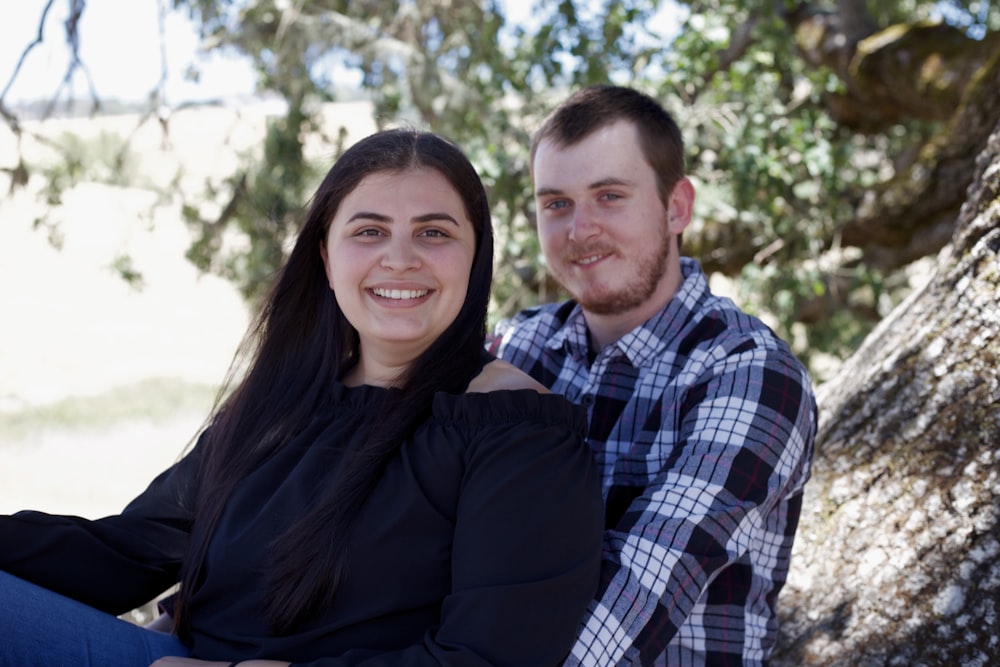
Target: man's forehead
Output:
[(618, 135), (605, 156), (616, 131)]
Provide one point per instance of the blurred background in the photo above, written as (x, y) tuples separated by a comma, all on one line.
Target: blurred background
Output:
[(155, 157)]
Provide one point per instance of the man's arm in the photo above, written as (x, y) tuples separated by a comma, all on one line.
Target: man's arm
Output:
[(719, 516)]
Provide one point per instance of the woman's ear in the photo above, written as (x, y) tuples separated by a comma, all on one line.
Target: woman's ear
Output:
[(680, 206)]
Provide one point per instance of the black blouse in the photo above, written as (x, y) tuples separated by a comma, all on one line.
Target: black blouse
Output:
[(480, 545)]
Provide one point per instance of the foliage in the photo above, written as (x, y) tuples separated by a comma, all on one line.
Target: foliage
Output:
[(105, 158), (432, 65), (265, 200), (791, 134)]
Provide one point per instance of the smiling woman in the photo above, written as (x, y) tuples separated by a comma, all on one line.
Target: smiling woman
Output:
[(376, 489), (398, 256)]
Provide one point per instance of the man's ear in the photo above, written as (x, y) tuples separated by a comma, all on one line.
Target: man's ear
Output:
[(680, 206)]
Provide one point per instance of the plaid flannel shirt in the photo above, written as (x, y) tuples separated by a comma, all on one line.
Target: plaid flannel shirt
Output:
[(702, 422)]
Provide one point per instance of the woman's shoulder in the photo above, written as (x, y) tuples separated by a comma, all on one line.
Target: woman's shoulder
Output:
[(503, 397), (499, 375)]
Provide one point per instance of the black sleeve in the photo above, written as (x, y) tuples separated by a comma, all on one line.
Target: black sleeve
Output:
[(526, 556), (116, 563)]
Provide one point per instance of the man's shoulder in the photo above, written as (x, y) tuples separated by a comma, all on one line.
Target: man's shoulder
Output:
[(717, 330), (543, 318), (523, 338)]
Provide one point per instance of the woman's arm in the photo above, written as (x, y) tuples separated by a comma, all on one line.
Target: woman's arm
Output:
[(525, 546), (115, 563), (192, 662)]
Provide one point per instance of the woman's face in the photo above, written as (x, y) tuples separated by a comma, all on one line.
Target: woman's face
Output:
[(398, 256)]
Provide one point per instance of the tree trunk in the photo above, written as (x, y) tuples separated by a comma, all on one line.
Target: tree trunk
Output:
[(897, 560)]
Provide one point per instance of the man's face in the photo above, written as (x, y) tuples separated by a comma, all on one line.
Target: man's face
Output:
[(607, 236)]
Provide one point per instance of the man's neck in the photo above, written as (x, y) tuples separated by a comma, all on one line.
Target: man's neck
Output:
[(606, 330)]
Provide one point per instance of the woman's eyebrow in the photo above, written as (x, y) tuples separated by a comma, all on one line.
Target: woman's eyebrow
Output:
[(369, 215), (430, 217)]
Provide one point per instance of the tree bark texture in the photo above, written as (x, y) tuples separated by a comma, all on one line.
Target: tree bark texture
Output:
[(897, 559)]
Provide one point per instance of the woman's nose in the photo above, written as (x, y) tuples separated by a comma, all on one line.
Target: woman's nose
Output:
[(400, 255)]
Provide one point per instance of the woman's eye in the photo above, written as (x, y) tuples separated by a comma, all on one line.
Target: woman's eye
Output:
[(434, 233), (369, 232)]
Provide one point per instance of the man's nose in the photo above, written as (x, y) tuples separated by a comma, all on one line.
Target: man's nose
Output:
[(584, 224)]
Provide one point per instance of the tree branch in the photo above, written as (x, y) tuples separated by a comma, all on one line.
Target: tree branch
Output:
[(915, 209), (11, 119)]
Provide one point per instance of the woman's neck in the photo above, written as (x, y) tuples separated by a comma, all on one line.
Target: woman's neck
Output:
[(368, 371)]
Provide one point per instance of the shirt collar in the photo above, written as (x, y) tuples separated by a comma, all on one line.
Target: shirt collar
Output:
[(572, 335)]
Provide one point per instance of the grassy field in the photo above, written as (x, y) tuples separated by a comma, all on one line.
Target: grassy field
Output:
[(90, 455), (101, 384), (157, 401)]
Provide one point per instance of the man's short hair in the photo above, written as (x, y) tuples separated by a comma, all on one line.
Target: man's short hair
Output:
[(596, 107)]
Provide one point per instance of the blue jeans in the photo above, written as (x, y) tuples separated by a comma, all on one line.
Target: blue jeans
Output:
[(39, 628)]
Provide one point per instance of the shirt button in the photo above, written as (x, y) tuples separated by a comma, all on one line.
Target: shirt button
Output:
[(588, 399)]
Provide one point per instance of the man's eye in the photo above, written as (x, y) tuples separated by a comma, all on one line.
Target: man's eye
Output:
[(612, 195), (557, 204)]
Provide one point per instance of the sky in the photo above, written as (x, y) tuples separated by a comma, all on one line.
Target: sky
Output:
[(120, 45)]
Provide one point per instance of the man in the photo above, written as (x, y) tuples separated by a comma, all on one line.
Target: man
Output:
[(702, 421)]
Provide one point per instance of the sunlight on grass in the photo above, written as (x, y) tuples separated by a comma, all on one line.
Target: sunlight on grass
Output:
[(153, 400)]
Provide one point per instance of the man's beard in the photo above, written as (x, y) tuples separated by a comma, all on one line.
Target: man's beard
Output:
[(648, 274)]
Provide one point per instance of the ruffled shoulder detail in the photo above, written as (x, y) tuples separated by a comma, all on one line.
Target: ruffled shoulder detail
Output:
[(473, 409), (509, 406), (361, 397)]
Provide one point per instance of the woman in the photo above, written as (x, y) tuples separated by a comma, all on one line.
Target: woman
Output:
[(375, 491)]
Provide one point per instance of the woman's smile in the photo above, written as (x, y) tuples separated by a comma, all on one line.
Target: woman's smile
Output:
[(399, 294)]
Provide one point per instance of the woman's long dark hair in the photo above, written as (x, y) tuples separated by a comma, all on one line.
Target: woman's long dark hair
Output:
[(298, 346)]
